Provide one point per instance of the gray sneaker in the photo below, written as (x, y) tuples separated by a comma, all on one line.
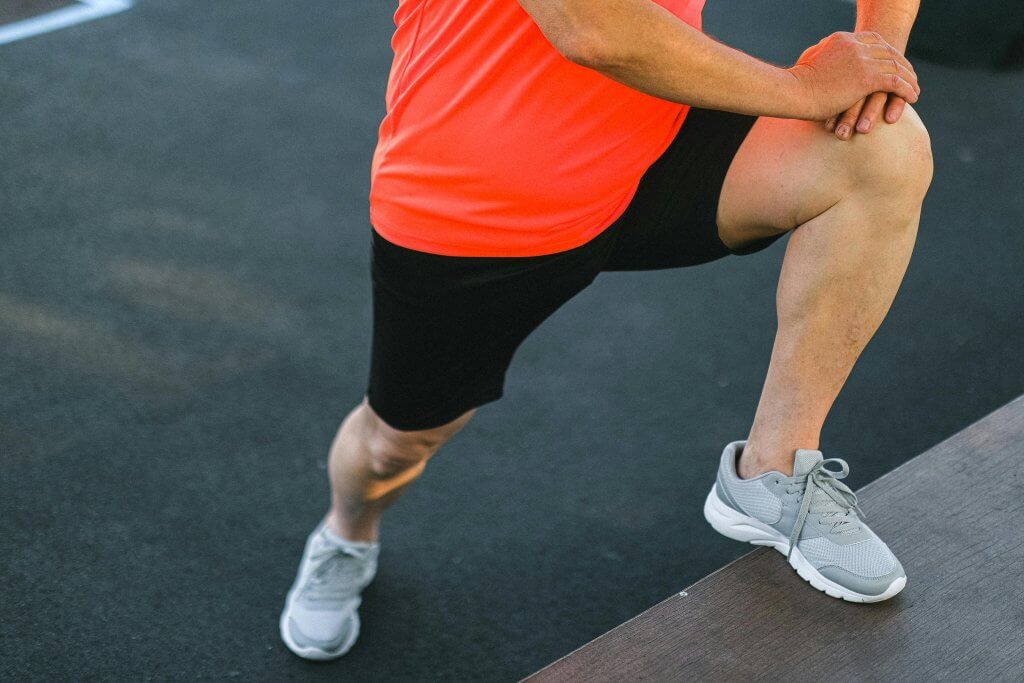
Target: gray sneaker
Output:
[(812, 518), (320, 618)]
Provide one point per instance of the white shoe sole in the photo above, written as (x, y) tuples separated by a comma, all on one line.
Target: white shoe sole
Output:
[(315, 653), (740, 527)]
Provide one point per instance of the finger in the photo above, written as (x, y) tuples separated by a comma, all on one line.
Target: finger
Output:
[(895, 82), (894, 109), (892, 66), (889, 52), (830, 124), (871, 112), (846, 121)]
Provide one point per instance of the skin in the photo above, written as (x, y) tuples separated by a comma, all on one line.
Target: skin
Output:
[(644, 46), (892, 20), (853, 207), (852, 201), (371, 464)]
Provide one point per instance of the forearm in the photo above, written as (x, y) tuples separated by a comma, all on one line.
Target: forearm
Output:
[(642, 45), (892, 19)]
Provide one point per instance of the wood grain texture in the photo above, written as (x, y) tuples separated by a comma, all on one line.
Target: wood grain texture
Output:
[(955, 518)]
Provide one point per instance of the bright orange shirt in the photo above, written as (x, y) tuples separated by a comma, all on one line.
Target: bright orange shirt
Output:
[(494, 144)]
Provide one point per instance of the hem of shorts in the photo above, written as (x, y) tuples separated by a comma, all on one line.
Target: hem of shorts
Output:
[(753, 247), (438, 419), (402, 239)]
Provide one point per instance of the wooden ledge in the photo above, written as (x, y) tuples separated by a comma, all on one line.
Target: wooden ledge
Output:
[(953, 515)]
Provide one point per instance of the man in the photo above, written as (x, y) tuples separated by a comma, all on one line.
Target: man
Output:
[(529, 146)]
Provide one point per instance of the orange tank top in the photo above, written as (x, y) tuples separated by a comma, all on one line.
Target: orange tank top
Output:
[(493, 144)]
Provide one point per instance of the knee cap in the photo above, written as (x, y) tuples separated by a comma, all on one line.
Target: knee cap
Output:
[(897, 156)]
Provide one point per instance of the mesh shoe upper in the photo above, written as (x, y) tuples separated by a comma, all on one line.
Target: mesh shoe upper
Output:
[(322, 604), (828, 528), (865, 558)]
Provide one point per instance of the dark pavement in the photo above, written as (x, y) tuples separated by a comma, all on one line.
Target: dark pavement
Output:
[(184, 319)]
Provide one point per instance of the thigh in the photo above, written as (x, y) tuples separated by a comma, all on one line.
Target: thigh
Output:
[(670, 221), (445, 328), (785, 173)]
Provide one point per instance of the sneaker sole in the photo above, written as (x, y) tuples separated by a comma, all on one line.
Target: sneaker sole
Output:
[(740, 527), (315, 653)]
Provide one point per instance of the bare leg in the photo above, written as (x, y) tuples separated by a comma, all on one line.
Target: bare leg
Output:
[(833, 294), (857, 210), (371, 464)]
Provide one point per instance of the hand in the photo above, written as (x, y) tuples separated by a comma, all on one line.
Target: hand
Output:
[(845, 68), (861, 117)]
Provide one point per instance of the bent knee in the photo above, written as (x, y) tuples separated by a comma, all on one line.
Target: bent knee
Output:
[(388, 460), (895, 158), (391, 455), (393, 451)]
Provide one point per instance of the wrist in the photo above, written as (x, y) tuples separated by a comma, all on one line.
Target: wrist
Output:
[(896, 36), (793, 98)]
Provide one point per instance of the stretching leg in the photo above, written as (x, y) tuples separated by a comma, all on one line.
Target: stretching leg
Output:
[(371, 464), (853, 207)]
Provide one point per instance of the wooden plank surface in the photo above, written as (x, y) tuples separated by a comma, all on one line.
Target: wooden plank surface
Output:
[(955, 518)]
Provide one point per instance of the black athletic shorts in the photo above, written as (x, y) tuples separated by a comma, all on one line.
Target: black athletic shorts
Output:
[(445, 328)]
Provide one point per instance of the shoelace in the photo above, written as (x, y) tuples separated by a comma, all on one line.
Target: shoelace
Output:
[(328, 580), (820, 478)]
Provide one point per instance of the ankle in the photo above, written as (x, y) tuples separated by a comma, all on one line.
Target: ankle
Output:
[(756, 460), (356, 531)]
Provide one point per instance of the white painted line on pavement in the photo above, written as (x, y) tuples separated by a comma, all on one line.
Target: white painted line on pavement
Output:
[(83, 10)]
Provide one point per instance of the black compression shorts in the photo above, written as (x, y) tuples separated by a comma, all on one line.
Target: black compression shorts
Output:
[(445, 328)]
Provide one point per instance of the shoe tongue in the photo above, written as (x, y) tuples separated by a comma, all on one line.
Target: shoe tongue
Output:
[(805, 460)]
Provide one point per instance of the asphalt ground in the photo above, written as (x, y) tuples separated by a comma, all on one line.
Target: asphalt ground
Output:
[(184, 319)]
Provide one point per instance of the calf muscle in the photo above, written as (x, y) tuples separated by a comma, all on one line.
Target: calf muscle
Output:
[(371, 464)]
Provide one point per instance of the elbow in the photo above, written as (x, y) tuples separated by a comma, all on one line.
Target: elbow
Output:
[(575, 30), (587, 49)]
